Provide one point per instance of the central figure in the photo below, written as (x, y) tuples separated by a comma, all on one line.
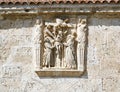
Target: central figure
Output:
[(59, 50)]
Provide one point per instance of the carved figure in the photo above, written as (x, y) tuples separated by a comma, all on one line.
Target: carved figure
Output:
[(49, 31), (48, 55), (60, 44), (38, 32), (70, 52), (38, 42), (81, 28), (61, 30), (59, 47)]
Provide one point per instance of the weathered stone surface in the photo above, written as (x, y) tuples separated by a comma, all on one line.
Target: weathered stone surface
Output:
[(111, 84), (102, 59), (103, 50), (64, 85)]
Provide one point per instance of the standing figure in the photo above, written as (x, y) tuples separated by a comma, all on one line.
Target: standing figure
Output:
[(48, 55), (38, 43), (59, 48), (81, 38), (58, 37), (70, 52), (38, 32), (49, 31)]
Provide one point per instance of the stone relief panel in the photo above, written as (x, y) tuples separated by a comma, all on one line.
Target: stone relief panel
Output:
[(59, 46)]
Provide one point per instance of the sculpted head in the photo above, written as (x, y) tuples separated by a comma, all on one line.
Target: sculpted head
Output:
[(37, 21), (83, 21), (59, 21)]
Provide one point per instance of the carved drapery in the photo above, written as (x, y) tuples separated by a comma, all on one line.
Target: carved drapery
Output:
[(38, 43), (59, 45)]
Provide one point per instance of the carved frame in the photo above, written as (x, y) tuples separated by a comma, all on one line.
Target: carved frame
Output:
[(43, 31)]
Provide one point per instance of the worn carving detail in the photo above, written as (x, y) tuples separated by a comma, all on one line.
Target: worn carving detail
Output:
[(59, 45), (81, 38), (38, 43)]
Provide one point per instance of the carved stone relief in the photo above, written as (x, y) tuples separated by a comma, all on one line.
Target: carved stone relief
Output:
[(59, 46)]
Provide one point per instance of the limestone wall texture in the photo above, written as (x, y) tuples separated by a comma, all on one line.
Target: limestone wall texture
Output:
[(102, 59)]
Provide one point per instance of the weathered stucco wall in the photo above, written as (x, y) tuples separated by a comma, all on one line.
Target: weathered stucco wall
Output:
[(103, 58)]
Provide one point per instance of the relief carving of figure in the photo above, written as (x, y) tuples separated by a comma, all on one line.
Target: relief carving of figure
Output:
[(81, 38), (59, 46), (38, 32), (62, 44), (58, 43), (48, 53), (70, 52), (48, 46), (38, 42)]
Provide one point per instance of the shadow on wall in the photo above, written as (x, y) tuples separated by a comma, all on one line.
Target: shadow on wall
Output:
[(25, 21), (9, 22), (104, 20)]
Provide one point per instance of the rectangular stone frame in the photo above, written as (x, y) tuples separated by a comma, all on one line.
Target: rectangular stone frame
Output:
[(54, 72)]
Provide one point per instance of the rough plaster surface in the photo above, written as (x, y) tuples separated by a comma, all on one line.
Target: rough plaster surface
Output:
[(103, 59)]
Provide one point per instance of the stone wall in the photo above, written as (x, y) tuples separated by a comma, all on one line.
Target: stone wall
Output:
[(102, 58)]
